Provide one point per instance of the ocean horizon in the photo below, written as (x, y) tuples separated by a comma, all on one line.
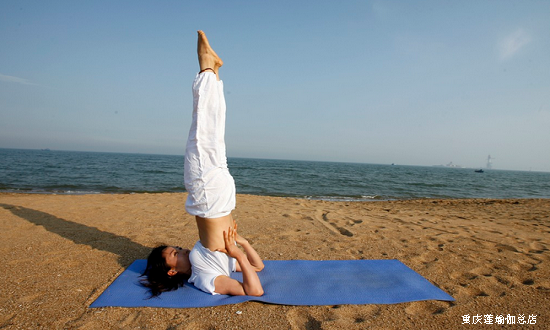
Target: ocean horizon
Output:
[(83, 172)]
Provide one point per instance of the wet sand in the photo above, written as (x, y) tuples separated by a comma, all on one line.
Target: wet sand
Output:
[(59, 252)]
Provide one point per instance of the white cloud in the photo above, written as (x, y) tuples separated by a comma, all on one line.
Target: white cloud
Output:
[(513, 43), (15, 80)]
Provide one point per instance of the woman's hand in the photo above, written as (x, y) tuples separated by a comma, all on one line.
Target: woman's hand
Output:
[(229, 238), (238, 238)]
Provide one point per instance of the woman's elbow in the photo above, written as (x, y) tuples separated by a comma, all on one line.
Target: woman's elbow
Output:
[(259, 268), (256, 292)]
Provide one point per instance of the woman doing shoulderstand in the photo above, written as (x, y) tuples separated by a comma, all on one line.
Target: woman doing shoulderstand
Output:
[(211, 200)]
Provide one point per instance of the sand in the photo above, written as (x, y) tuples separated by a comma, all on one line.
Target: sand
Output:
[(59, 252)]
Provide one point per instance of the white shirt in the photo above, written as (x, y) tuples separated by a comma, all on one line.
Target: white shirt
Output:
[(206, 265)]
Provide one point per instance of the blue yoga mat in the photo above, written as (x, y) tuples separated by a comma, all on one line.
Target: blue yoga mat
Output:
[(290, 282)]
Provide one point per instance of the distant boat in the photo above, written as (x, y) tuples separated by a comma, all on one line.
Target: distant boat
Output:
[(450, 164), (479, 171)]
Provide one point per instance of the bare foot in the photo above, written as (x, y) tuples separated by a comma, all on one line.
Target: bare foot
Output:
[(208, 59)]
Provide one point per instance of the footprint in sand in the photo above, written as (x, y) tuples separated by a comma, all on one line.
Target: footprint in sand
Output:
[(131, 319), (323, 219), (537, 247), (484, 271), (427, 307), (301, 319), (543, 285), (528, 281)]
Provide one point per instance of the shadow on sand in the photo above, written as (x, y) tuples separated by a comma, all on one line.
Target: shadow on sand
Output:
[(126, 249)]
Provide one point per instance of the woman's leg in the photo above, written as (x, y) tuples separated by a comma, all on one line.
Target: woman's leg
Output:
[(211, 188), (208, 59)]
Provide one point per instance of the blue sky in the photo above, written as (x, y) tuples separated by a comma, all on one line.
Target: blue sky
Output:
[(405, 82)]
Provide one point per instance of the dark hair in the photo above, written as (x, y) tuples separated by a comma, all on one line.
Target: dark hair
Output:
[(158, 280)]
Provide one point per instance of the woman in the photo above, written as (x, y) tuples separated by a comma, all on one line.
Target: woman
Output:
[(211, 200)]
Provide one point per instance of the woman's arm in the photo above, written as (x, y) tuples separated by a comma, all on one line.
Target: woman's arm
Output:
[(251, 285), (252, 257), (251, 254)]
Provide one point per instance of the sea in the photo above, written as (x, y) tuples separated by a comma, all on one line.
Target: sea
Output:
[(73, 172)]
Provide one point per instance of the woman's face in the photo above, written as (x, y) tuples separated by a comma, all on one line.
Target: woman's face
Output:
[(177, 259)]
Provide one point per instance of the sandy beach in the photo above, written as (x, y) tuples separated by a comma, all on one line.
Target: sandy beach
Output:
[(59, 252)]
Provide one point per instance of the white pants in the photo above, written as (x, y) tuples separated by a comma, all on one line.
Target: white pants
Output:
[(207, 180)]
